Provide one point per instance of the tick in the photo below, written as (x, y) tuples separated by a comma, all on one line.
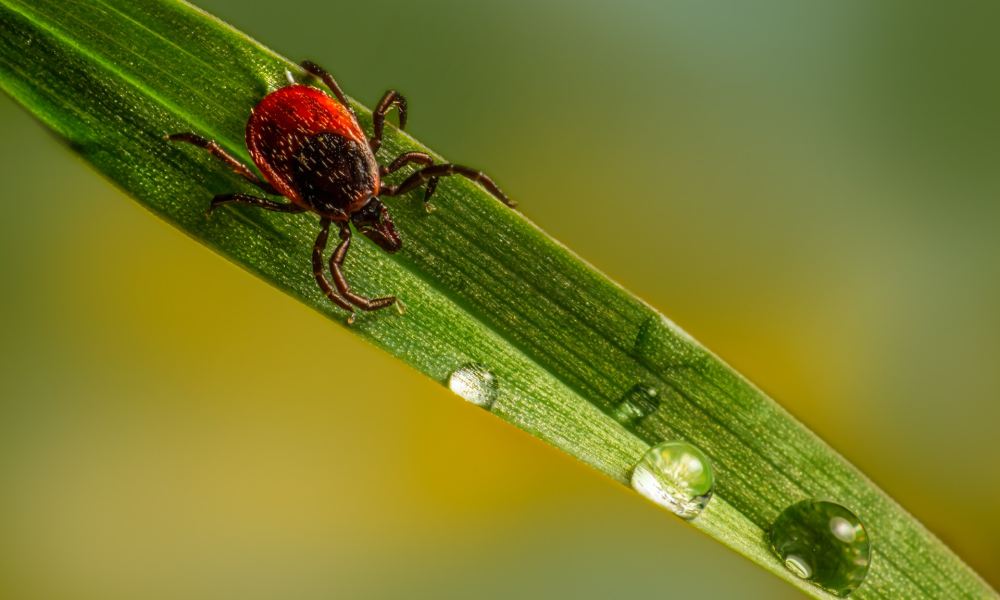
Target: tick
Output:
[(311, 150)]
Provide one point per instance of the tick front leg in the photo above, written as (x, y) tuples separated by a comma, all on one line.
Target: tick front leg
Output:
[(285, 207), (336, 264), (328, 79), (390, 99), (431, 173), (318, 270), (232, 162)]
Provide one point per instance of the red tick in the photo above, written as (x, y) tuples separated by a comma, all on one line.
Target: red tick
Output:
[(311, 150)]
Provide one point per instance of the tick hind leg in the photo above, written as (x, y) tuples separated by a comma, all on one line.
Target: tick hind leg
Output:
[(232, 162), (390, 99), (336, 269), (430, 175)]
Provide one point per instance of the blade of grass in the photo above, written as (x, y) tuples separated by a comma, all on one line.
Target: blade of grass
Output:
[(481, 283)]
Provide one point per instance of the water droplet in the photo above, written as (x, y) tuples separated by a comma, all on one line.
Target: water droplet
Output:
[(677, 476), (474, 383), (824, 543), (637, 404)]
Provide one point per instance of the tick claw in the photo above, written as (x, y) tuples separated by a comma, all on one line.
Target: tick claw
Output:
[(429, 208), (400, 307), (350, 319)]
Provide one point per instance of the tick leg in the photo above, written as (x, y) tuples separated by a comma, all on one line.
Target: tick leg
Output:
[(317, 263), (419, 158), (390, 99), (286, 207), (216, 150), (431, 173), (337, 261), (328, 79)]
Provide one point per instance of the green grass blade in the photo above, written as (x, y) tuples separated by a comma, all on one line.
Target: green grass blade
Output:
[(481, 283)]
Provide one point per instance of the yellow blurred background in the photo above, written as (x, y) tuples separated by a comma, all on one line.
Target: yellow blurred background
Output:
[(811, 189)]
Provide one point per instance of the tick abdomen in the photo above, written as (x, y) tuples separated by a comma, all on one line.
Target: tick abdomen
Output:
[(332, 172), (292, 136)]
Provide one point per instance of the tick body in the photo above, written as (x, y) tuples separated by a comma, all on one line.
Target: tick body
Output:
[(311, 150)]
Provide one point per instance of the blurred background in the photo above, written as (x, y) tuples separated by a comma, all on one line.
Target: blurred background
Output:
[(809, 188)]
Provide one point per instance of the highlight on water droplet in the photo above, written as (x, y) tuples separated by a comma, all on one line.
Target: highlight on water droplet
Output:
[(639, 402), (677, 476), (824, 543), (475, 383)]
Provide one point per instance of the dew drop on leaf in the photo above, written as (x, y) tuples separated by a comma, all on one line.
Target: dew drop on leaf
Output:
[(677, 476), (824, 543), (475, 383), (636, 404)]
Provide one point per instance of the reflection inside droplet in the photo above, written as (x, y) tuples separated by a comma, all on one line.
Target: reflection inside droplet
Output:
[(843, 529), (798, 566)]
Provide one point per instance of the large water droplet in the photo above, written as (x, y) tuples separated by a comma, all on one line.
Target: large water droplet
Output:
[(824, 543), (475, 383), (677, 476), (637, 404)]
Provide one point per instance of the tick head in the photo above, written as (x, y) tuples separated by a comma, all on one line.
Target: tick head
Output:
[(373, 220)]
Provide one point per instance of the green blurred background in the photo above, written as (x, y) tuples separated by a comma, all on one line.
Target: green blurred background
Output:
[(810, 188)]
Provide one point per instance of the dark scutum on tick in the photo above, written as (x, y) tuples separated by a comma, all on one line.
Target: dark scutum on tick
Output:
[(311, 150)]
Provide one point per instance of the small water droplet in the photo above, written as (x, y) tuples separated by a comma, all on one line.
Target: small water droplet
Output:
[(824, 543), (637, 404), (474, 383), (677, 476)]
